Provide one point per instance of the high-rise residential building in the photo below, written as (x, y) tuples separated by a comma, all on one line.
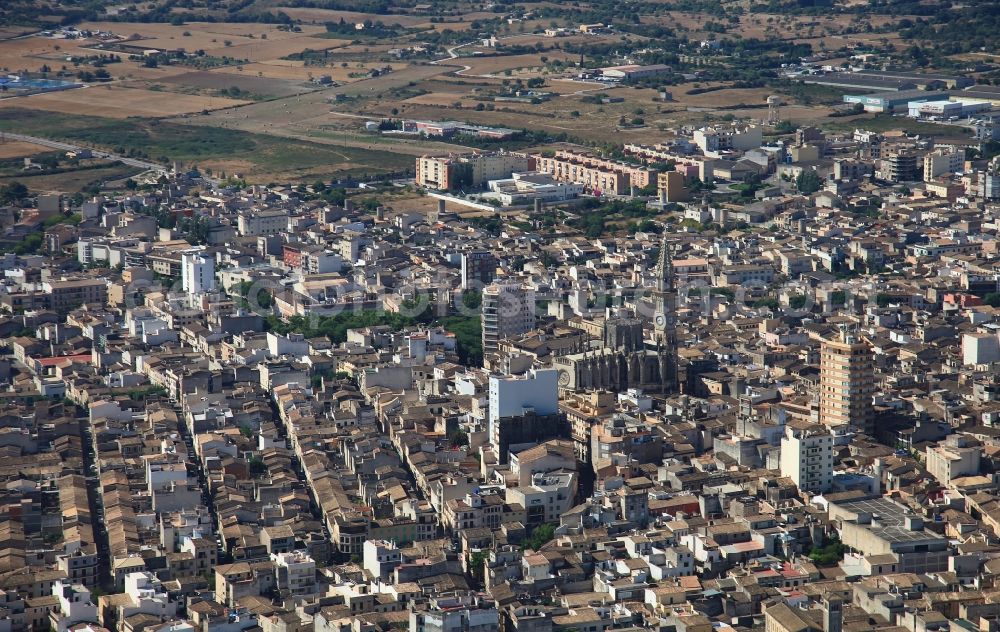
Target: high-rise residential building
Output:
[(899, 167), (941, 162), (807, 457), (197, 272), (508, 310), (846, 382), (478, 268)]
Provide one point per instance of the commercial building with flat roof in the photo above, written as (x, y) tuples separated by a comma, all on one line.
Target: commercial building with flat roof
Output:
[(922, 80), (879, 526), (947, 108), (888, 80), (894, 101), (634, 71)]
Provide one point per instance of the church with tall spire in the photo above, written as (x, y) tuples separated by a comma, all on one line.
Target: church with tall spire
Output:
[(665, 317), (628, 358)]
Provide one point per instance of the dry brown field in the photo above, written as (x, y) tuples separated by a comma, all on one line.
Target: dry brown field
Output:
[(201, 35), (34, 52), (18, 149), (280, 69), (492, 65), (115, 102), (231, 77), (267, 50), (319, 16)]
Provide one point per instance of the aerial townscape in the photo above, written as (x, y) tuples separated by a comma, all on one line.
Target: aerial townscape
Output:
[(499, 316)]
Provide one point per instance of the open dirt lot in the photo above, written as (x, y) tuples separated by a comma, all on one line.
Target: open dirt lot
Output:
[(114, 102), (257, 50), (280, 69), (534, 39), (306, 116), (442, 99), (7, 32)]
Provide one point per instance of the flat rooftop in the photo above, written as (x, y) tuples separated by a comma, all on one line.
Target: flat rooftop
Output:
[(888, 518)]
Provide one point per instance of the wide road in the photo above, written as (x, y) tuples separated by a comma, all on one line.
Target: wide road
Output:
[(54, 144)]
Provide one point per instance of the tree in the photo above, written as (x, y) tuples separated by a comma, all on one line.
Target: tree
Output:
[(477, 565), (12, 193), (830, 553), (472, 299), (458, 439), (539, 536), (808, 182), (769, 303), (784, 127), (257, 466)]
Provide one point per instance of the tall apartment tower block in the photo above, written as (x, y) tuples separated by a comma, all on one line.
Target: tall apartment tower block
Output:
[(847, 382), (508, 310)]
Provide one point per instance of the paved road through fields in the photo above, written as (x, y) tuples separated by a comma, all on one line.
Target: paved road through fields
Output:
[(54, 144)]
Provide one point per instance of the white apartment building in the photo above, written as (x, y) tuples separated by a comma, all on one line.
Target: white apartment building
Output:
[(197, 273), (537, 391), (295, 572), (954, 458), (807, 458), (75, 606), (380, 558), (711, 139), (980, 348), (147, 596)]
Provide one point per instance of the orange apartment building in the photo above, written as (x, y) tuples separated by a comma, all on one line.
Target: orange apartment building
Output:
[(599, 175)]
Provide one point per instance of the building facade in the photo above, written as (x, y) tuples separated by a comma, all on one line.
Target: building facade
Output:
[(508, 310), (847, 382), (197, 273), (453, 172), (807, 458)]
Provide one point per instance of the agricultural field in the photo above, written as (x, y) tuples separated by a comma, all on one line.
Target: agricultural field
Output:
[(74, 181), (240, 41), (18, 149), (244, 97), (256, 157), (526, 65), (119, 102), (243, 82)]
